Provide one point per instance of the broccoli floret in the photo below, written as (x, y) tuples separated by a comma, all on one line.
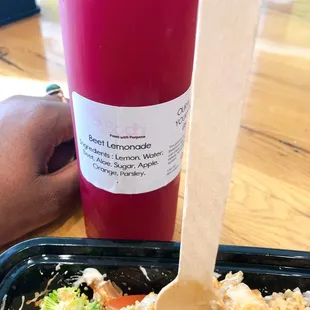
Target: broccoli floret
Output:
[(68, 298), (94, 305), (49, 303), (54, 296), (68, 293)]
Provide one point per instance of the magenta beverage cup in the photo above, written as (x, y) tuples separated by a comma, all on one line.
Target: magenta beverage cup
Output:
[(129, 66)]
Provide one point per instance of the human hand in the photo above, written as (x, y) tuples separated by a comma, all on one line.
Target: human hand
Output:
[(38, 179)]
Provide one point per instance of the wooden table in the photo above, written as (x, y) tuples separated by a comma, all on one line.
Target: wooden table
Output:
[(269, 201)]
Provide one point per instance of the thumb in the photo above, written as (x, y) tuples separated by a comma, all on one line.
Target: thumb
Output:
[(62, 189)]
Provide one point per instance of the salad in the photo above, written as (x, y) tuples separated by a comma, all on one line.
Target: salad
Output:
[(231, 292)]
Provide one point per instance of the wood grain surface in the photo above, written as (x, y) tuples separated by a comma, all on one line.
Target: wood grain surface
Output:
[(269, 201)]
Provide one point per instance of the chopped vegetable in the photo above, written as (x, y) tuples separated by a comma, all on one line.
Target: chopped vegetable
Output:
[(124, 301), (69, 298), (231, 292)]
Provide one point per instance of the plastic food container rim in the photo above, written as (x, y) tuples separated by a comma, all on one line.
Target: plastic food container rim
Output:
[(81, 243)]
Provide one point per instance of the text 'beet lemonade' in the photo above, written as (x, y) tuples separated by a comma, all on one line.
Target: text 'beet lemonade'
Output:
[(129, 66)]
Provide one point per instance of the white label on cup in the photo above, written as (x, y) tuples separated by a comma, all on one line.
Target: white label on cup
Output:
[(130, 150)]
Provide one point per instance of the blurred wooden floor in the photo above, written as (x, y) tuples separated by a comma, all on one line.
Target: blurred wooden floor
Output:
[(269, 201)]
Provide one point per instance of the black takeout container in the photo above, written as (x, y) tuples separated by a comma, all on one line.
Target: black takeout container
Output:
[(27, 267)]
